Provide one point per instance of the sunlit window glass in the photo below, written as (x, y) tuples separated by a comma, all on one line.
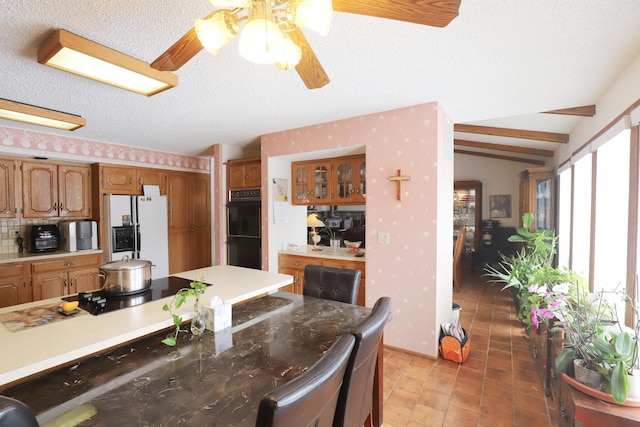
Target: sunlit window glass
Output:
[(564, 217), (581, 220), (612, 216)]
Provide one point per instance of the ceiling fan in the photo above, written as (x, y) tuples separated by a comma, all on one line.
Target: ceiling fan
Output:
[(436, 13)]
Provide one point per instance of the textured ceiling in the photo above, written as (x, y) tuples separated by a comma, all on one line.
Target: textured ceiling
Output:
[(498, 58)]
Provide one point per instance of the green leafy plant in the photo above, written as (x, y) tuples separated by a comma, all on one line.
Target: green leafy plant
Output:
[(196, 288), (332, 234), (532, 264), (593, 334)]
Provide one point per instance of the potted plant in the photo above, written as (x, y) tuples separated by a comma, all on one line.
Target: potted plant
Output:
[(526, 267), (334, 241), (595, 342), (196, 288)]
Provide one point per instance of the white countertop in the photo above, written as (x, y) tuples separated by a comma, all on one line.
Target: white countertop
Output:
[(39, 256), (28, 352), (307, 250)]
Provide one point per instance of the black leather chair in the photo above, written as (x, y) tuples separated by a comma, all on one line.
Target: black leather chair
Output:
[(14, 413), (310, 399), (355, 403), (338, 284)]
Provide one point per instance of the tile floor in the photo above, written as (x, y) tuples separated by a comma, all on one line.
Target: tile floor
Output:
[(497, 385)]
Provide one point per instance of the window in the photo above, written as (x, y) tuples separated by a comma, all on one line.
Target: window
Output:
[(564, 217), (581, 221), (612, 216)]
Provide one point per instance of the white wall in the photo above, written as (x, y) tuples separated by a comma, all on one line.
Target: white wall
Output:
[(624, 91), (294, 230)]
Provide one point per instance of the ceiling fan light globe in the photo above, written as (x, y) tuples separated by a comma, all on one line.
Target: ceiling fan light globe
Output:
[(261, 41), (216, 31), (291, 54), (230, 4), (315, 15)]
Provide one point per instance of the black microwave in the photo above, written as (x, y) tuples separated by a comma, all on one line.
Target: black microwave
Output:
[(44, 238)]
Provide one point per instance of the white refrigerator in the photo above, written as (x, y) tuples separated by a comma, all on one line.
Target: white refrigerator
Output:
[(137, 227)]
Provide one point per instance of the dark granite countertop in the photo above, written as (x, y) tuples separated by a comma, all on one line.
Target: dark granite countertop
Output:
[(214, 380)]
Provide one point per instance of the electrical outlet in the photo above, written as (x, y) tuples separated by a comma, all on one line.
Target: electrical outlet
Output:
[(383, 238)]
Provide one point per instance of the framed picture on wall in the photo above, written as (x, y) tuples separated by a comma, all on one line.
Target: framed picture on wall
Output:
[(500, 206)]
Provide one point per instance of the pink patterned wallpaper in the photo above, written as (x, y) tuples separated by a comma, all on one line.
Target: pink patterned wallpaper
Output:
[(410, 139), (42, 144)]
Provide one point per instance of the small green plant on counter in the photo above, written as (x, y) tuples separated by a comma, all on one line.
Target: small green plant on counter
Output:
[(197, 288), (332, 234)]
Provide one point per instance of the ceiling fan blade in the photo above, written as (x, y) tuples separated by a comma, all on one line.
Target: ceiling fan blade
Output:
[(435, 13), (180, 52), (309, 68)]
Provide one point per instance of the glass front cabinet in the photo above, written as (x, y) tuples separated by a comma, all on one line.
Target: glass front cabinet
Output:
[(537, 195), (467, 213), (350, 180), (336, 181)]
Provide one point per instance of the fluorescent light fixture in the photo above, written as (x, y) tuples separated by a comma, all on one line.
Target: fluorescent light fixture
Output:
[(26, 113), (69, 52)]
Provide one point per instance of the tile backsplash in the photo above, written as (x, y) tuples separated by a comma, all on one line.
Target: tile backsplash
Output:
[(9, 231)]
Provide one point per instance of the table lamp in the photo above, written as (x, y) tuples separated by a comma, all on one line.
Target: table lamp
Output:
[(313, 221)]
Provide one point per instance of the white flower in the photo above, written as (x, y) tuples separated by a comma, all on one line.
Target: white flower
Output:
[(562, 288)]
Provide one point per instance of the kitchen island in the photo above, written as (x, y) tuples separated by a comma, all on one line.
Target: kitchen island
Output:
[(217, 379), (31, 351)]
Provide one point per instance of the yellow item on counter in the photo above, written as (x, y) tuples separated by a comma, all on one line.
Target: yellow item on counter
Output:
[(68, 307)]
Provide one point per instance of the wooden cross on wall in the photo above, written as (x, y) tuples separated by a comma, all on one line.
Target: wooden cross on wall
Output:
[(398, 178)]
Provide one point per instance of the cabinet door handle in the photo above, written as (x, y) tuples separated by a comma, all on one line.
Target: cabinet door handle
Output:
[(61, 208), (65, 283), (66, 264), (130, 180), (55, 206), (140, 181)]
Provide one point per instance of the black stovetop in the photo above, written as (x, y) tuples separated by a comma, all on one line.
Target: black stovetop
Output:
[(98, 302)]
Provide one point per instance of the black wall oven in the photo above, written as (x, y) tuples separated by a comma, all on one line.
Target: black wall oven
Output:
[(244, 246)]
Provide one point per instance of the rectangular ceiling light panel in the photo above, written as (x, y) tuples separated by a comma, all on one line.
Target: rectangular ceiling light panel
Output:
[(25, 113), (69, 52)]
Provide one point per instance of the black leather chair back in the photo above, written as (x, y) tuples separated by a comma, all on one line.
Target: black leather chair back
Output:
[(356, 397), (310, 399), (338, 284), (14, 413)]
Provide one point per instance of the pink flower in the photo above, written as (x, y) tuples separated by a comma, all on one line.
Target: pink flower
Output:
[(534, 317)]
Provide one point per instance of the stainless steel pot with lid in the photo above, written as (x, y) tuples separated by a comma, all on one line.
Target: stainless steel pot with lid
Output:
[(128, 276)]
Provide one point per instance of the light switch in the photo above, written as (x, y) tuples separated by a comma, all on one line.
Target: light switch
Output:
[(383, 238)]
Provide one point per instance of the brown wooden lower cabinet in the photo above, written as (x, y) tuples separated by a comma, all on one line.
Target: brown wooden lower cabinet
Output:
[(538, 346), (580, 410), (294, 265), (22, 282), (64, 276), (14, 284), (575, 408)]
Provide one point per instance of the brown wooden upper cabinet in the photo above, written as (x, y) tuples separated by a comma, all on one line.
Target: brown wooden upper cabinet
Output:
[(52, 190), (7, 189), (245, 173), (129, 180), (335, 181)]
